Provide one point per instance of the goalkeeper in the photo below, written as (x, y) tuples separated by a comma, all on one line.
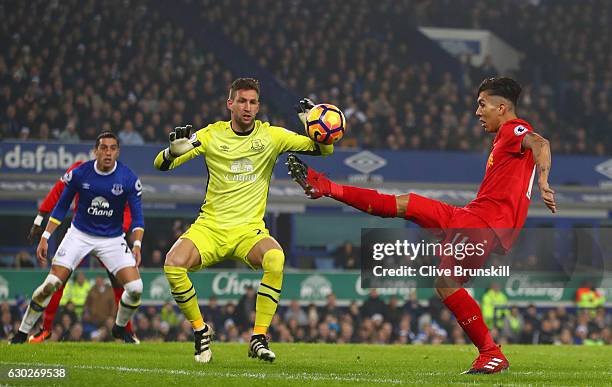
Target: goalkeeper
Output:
[(240, 155)]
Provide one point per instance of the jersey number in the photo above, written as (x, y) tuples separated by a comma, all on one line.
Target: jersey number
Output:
[(127, 249)]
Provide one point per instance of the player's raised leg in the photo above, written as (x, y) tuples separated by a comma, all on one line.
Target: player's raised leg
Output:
[(316, 184), (182, 256), (58, 275), (268, 254)]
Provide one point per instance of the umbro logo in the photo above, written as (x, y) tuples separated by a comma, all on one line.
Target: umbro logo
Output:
[(365, 162), (224, 148), (85, 185), (605, 168)]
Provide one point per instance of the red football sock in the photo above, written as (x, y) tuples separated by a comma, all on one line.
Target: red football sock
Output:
[(118, 293), (367, 200), (51, 309), (469, 316)]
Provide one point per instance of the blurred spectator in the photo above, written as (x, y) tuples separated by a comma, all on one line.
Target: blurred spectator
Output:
[(589, 297), (100, 302), (246, 307), (295, 312), (494, 302), (128, 136), (69, 134), (347, 256), (75, 292), (373, 305)]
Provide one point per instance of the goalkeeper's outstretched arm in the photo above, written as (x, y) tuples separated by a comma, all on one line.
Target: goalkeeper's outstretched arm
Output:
[(184, 146)]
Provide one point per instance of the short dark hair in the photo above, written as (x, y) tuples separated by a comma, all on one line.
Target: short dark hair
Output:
[(106, 134), (243, 84), (503, 87)]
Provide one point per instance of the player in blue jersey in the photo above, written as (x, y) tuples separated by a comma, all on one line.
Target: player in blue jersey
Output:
[(104, 185)]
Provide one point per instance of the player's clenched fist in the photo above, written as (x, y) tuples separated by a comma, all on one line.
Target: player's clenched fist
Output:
[(181, 141)]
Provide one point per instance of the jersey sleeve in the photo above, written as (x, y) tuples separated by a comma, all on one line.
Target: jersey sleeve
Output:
[(163, 164), (71, 181), (288, 141), (514, 135), (134, 200), (53, 196)]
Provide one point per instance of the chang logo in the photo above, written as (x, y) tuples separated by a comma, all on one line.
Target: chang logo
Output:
[(241, 170), (241, 165), (160, 290), (100, 207), (315, 287)]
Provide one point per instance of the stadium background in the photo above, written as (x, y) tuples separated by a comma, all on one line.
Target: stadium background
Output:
[(405, 81)]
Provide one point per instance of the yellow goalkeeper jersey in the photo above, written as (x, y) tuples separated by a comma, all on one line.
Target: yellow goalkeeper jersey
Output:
[(239, 169)]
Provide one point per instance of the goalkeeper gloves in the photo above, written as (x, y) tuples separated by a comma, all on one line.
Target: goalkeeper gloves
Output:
[(181, 142), (303, 107)]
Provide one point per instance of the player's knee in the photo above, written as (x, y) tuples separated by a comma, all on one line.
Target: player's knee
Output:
[(170, 258), (134, 289), (273, 261), (175, 258), (445, 286), (49, 285)]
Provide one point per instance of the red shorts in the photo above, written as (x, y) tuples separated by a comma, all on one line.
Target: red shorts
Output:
[(455, 225)]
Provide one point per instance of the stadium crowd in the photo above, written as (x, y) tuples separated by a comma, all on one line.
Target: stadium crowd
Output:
[(90, 66), (374, 321)]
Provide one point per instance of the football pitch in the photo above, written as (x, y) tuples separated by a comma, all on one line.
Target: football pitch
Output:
[(157, 364)]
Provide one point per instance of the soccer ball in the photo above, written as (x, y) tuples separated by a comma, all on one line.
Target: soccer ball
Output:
[(325, 124)]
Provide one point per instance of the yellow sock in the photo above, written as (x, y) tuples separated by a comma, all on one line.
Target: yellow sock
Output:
[(184, 294), (269, 290)]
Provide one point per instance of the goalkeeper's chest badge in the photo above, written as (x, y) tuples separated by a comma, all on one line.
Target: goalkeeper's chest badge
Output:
[(258, 145)]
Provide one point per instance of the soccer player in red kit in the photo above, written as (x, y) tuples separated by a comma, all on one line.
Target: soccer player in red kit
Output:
[(495, 216), (46, 207)]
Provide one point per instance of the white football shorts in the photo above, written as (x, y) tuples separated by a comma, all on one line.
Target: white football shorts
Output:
[(114, 253)]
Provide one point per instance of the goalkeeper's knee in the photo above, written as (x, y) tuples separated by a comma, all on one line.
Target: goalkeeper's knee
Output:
[(273, 262)]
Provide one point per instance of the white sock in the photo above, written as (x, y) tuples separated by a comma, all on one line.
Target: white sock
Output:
[(127, 308), (34, 310)]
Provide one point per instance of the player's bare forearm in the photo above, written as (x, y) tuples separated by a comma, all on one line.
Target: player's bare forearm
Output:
[(402, 205), (541, 153), (137, 234), (540, 148), (52, 225)]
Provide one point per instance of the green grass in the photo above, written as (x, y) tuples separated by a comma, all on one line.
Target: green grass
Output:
[(152, 364)]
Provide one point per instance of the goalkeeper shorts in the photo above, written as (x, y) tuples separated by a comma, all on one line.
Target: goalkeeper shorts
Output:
[(216, 245)]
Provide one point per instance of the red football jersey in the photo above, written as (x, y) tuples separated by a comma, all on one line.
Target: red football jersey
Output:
[(53, 196), (505, 193)]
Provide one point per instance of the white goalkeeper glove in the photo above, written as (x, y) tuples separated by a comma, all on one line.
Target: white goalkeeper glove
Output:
[(303, 107), (181, 142)]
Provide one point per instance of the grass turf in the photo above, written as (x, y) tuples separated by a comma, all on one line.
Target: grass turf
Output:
[(152, 364)]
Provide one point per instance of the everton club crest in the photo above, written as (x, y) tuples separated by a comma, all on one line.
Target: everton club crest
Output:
[(117, 189), (257, 145)]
